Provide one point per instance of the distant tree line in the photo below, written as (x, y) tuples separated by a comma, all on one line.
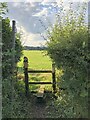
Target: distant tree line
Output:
[(34, 48)]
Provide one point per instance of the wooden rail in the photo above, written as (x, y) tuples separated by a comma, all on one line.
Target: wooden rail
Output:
[(40, 83), (39, 71)]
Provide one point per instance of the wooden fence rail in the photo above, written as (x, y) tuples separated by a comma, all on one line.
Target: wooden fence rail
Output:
[(39, 71), (40, 82)]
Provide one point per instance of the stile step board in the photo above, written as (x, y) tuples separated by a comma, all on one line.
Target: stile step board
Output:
[(40, 92)]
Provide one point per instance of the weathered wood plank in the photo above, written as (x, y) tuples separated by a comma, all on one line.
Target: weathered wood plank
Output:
[(40, 92), (39, 71)]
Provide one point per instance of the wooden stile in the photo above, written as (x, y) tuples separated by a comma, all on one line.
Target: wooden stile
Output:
[(26, 71)]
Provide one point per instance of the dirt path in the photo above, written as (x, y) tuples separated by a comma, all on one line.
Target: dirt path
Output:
[(38, 108), (38, 111)]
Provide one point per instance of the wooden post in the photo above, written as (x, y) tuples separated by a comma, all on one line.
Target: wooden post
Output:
[(13, 45), (26, 75), (53, 78)]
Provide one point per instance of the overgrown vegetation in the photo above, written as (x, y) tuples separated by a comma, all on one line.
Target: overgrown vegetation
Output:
[(68, 47), (3, 9), (8, 77), (7, 48)]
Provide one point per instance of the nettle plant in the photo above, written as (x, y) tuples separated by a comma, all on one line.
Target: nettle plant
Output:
[(68, 47)]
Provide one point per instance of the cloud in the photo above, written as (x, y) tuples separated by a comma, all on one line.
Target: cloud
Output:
[(30, 39), (42, 13), (34, 18), (28, 17)]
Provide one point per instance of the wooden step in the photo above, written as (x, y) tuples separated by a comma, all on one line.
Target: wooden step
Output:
[(40, 92)]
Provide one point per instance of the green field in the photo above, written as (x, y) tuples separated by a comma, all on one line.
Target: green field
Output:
[(37, 60)]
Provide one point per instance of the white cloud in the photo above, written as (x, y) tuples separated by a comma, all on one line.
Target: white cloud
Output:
[(29, 39), (44, 12), (32, 40), (28, 16)]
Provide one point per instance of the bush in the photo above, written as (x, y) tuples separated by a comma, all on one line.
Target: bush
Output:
[(68, 47)]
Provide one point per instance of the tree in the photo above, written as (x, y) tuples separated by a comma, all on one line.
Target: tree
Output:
[(68, 47), (3, 8)]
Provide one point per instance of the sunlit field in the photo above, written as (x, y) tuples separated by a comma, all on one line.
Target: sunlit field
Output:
[(37, 60)]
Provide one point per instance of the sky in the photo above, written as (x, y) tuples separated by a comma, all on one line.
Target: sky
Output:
[(34, 18)]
